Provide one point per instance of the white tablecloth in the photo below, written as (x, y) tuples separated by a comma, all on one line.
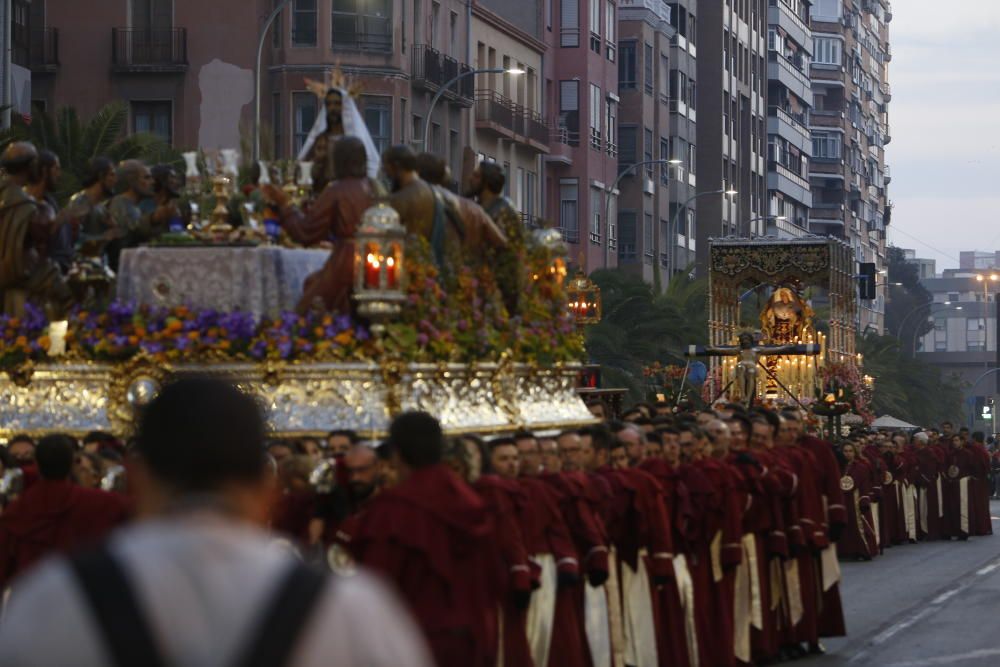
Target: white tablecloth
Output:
[(264, 280)]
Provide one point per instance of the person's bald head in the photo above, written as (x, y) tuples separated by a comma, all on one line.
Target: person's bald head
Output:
[(362, 470), (137, 177), (17, 160)]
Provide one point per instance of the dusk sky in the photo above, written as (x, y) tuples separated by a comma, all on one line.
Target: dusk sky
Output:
[(945, 126)]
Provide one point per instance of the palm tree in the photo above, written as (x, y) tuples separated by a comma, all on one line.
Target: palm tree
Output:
[(77, 143)]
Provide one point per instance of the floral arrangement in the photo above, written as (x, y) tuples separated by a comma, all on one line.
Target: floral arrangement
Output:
[(841, 385)]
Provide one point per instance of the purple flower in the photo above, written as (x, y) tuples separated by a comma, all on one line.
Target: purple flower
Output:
[(285, 349), (259, 349), (342, 323), (361, 334), (422, 339)]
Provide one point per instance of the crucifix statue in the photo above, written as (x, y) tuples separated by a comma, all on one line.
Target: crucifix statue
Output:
[(749, 353)]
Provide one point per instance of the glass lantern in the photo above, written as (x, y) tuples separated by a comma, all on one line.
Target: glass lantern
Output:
[(584, 300), (379, 280)]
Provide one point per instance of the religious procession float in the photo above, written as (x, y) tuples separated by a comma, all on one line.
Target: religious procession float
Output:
[(211, 297)]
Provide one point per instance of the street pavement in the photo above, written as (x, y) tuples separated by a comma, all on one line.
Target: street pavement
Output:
[(922, 605)]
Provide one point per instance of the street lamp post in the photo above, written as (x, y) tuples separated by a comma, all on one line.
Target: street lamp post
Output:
[(762, 217), (614, 186), (441, 91), (913, 347), (683, 207), (256, 76)]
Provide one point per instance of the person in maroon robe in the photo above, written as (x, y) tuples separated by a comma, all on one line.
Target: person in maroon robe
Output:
[(930, 503), (54, 515), (981, 486), (958, 505), (858, 539), (432, 537), (336, 213), (295, 508)]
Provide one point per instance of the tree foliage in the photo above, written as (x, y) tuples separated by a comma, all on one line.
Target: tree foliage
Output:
[(908, 305), (908, 388), (641, 327), (77, 142)]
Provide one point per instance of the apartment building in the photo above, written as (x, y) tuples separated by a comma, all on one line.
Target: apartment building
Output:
[(656, 82), (733, 71), (581, 92), (850, 129), (510, 128), (963, 340), (186, 68), (789, 102)]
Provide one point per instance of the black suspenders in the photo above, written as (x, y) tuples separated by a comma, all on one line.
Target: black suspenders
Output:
[(130, 640)]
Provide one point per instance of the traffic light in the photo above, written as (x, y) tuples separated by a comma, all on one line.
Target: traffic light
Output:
[(866, 280)]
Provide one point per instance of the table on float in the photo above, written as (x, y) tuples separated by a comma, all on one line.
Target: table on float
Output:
[(263, 280)]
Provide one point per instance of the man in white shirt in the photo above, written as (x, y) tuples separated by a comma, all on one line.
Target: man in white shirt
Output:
[(197, 582)]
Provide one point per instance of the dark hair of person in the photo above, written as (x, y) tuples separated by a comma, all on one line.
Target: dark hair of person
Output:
[(492, 177), (601, 437), (54, 456), (523, 435), (431, 168), (691, 427), (384, 451), (21, 437), (201, 433), (946, 423), (99, 437), (662, 420), (46, 160), (792, 415), (500, 442), (350, 160), (654, 436), (347, 433), (400, 156), (979, 437), (417, 438), (616, 426), (4, 458), (742, 418), (672, 430), (97, 169), (642, 421)]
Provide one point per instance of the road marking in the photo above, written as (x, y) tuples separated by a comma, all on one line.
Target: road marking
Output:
[(932, 607), (948, 659)]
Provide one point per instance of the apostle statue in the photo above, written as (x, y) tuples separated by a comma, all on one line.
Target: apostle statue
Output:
[(339, 117), (27, 274), (336, 214)]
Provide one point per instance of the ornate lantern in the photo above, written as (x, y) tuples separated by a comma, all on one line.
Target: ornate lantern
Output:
[(379, 280), (584, 300)]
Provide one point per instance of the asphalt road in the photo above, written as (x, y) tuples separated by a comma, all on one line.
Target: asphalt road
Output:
[(922, 605)]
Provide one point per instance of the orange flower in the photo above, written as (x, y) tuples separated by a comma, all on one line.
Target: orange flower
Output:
[(13, 323), (173, 326), (133, 340), (344, 337), (318, 332), (140, 332), (224, 345), (193, 335), (21, 341)]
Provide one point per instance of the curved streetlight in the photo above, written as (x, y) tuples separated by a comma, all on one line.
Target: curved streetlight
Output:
[(614, 186), (256, 76), (916, 309), (683, 207), (441, 91), (948, 306)]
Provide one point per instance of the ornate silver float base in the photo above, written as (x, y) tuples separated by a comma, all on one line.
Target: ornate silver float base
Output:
[(302, 399)]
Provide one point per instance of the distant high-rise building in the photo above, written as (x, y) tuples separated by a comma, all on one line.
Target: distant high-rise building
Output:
[(732, 130), (850, 128), (789, 101)]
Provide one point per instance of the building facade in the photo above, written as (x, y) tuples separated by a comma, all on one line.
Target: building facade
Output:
[(963, 340), (732, 126), (510, 127), (789, 101), (581, 92), (850, 129)]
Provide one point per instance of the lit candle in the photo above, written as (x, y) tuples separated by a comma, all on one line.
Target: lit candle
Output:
[(372, 266), (390, 265)]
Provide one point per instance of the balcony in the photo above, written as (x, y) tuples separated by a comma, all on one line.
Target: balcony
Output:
[(432, 69), (495, 113), (43, 56), (781, 14), (141, 50), (790, 126), (791, 77)]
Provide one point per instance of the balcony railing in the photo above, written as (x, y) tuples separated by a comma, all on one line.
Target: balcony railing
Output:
[(796, 19), (784, 63), (432, 69), (496, 111), (142, 50), (44, 54)]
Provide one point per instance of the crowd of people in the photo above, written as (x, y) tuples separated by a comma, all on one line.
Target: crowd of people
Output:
[(666, 538)]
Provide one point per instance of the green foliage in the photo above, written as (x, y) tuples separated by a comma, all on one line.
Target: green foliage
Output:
[(908, 388), (77, 142), (641, 327), (908, 306)]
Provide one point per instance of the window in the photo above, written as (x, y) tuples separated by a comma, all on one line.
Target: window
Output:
[(647, 237), (378, 118), (304, 23), (304, 107), (827, 51), (364, 25), (596, 207), (154, 118), (595, 117), (647, 151), (647, 68), (595, 26), (826, 145), (529, 195), (664, 155), (953, 297), (626, 236), (612, 128), (418, 23), (452, 34), (146, 14), (569, 23), (569, 110), (276, 28), (276, 127), (627, 149), (519, 195), (435, 17), (692, 153), (626, 66), (827, 10), (568, 209), (609, 29), (975, 337)]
